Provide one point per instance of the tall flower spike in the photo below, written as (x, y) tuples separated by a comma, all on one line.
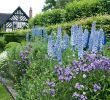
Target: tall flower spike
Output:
[(27, 37), (65, 42), (85, 38), (50, 46), (59, 35), (74, 32), (93, 30), (80, 42), (95, 42), (101, 39), (33, 32), (59, 56)]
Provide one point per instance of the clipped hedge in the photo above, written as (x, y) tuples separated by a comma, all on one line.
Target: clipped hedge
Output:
[(2, 33), (72, 11), (85, 8), (49, 17), (102, 22), (14, 37)]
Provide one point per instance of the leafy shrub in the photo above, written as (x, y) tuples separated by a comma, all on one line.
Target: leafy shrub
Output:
[(14, 37), (72, 11), (83, 8), (2, 42), (48, 17), (2, 33)]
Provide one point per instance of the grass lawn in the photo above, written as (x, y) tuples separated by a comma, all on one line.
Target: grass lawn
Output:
[(4, 94)]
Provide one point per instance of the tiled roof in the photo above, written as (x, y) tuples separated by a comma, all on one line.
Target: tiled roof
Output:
[(3, 18)]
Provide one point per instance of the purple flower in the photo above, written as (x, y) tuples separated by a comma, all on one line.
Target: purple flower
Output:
[(68, 78), (52, 92), (76, 95), (96, 87), (79, 86), (59, 70), (61, 78), (67, 71), (83, 97), (79, 96), (51, 84)]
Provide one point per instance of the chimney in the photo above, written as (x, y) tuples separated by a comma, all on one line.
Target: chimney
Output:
[(30, 12)]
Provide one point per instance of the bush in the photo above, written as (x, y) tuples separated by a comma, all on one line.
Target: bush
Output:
[(14, 37), (83, 8), (2, 43), (72, 11), (48, 17), (3, 33), (102, 22)]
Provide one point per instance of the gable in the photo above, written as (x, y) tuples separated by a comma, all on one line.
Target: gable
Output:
[(17, 16)]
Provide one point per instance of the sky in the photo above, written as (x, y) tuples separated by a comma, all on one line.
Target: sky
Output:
[(8, 6)]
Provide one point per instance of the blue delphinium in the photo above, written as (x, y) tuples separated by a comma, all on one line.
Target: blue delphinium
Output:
[(102, 39), (50, 47), (80, 42), (65, 42), (59, 55), (85, 38), (27, 37), (33, 32), (95, 42), (74, 37), (93, 30)]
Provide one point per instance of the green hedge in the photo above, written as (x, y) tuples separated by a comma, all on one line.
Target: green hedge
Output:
[(14, 37), (102, 22), (2, 33), (2, 43), (48, 17), (83, 8), (72, 11)]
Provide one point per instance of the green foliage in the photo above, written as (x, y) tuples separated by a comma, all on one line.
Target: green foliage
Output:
[(3, 33), (49, 4), (102, 22), (4, 95), (2, 43), (73, 11), (55, 4), (14, 37), (31, 78), (48, 17), (83, 8), (106, 51)]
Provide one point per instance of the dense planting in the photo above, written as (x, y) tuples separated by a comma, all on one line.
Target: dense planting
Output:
[(54, 67)]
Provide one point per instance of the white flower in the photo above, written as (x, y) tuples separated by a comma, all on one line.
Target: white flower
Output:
[(3, 56), (84, 75)]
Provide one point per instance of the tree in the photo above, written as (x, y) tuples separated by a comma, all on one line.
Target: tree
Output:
[(49, 4), (62, 3), (55, 4)]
